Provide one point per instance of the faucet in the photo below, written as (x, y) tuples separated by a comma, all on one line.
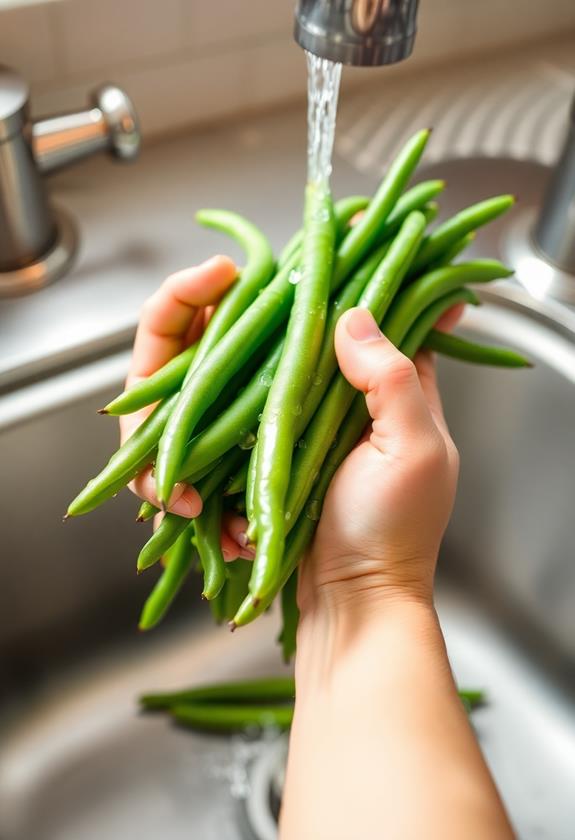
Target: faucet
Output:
[(37, 241), (364, 33)]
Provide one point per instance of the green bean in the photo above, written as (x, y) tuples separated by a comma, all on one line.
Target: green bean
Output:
[(179, 561), (238, 481), (473, 696), (236, 587), (259, 690), (221, 473), (377, 297), (269, 691), (138, 452), (291, 382), (290, 618), (234, 427), (163, 382), (251, 485), (344, 210), (130, 459), (265, 314), (422, 325), (163, 537), (412, 301), (208, 527), (147, 511), (468, 351), (232, 718), (218, 605), (454, 251), (452, 230), (364, 234), (257, 272)]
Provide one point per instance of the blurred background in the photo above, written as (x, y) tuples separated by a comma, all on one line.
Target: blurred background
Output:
[(208, 102)]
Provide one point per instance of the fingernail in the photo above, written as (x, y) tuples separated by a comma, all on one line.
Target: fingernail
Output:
[(226, 555), (184, 507), (361, 326), (243, 539)]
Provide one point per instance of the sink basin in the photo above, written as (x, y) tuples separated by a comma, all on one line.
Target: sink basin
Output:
[(78, 762)]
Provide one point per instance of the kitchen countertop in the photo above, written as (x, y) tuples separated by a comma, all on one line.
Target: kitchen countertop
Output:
[(136, 222)]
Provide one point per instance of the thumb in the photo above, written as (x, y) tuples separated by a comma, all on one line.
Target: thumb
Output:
[(389, 380)]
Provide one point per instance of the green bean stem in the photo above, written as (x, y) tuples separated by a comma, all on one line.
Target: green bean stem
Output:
[(178, 564), (291, 382)]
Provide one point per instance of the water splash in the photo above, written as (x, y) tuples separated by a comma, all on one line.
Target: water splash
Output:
[(323, 79)]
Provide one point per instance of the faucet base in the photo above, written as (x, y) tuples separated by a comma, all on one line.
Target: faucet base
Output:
[(52, 265)]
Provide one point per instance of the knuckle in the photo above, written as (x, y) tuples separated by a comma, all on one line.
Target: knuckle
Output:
[(398, 371)]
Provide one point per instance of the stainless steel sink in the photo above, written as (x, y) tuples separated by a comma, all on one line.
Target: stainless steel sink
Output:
[(77, 761)]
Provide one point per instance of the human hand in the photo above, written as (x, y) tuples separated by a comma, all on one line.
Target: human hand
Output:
[(390, 501), (173, 318)]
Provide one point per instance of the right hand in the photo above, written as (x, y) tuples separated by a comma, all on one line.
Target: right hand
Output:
[(389, 503)]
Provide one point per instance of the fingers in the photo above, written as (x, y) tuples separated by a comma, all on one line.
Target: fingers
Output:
[(168, 316), (425, 366), (185, 500), (234, 540), (394, 395), (450, 318)]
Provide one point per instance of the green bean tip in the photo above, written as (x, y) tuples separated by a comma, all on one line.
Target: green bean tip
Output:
[(232, 625), (66, 517), (103, 410)]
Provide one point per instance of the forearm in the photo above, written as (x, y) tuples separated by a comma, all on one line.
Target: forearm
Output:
[(380, 744)]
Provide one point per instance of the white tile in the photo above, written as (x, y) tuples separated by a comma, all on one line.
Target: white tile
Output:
[(277, 71), (26, 42), (233, 21), (188, 92), (99, 33)]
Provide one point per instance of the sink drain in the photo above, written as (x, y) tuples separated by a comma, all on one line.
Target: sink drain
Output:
[(266, 779)]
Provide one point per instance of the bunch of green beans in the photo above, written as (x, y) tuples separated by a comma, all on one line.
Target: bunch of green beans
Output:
[(257, 415)]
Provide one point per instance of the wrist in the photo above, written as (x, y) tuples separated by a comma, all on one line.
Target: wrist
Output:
[(342, 639)]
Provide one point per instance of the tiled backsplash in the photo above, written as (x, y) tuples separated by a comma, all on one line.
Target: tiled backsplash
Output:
[(188, 61)]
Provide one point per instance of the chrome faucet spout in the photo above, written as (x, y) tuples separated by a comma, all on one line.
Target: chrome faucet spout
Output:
[(364, 33)]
